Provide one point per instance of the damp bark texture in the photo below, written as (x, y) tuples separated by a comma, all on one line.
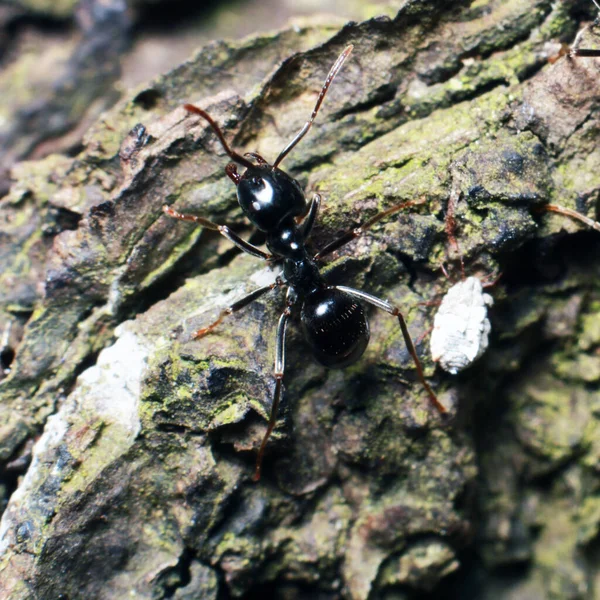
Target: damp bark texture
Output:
[(127, 448)]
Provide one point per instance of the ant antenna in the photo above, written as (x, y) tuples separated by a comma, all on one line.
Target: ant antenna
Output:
[(232, 153), (334, 71)]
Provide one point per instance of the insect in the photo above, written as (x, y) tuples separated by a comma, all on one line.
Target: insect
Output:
[(332, 318), (461, 325)]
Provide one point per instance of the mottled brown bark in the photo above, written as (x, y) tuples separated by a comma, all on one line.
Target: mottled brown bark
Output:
[(141, 475)]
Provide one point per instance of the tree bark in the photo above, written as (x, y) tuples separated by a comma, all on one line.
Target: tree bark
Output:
[(140, 477)]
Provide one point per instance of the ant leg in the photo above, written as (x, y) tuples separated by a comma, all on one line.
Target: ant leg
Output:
[(585, 52), (352, 234), (488, 282), (574, 49), (243, 302), (313, 211), (450, 226), (424, 335), (337, 65), (565, 50), (384, 305), (279, 370), (573, 214), (222, 229)]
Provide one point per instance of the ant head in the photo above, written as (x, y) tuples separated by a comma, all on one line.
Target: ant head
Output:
[(268, 196)]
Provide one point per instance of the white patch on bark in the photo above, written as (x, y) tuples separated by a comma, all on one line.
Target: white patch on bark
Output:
[(113, 385), (265, 276), (108, 392)]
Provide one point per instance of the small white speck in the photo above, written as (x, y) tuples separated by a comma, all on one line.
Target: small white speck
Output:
[(321, 310), (263, 277), (264, 195)]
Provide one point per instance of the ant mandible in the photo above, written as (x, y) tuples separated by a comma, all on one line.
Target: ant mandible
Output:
[(332, 317)]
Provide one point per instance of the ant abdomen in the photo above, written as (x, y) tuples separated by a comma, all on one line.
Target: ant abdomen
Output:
[(335, 326)]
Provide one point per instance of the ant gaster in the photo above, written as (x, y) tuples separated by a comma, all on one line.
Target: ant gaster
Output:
[(332, 317)]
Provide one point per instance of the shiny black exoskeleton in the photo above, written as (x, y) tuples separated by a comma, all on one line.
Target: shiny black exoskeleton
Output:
[(334, 324), (268, 196), (332, 317)]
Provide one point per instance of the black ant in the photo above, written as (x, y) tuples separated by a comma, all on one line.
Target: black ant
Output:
[(332, 317)]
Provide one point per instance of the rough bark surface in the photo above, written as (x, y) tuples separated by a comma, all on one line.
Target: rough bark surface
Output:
[(136, 444)]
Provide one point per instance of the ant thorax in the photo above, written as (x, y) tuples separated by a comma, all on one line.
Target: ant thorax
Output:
[(287, 240)]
